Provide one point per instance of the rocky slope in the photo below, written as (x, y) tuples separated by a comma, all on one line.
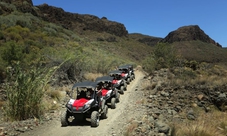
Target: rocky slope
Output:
[(167, 104), (72, 21), (79, 23)]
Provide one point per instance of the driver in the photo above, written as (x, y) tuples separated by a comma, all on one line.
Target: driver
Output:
[(99, 93), (88, 93)]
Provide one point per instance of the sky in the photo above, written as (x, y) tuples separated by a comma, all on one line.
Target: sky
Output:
[(154, 17)]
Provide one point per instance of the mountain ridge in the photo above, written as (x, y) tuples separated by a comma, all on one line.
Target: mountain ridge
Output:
[(85, 22)]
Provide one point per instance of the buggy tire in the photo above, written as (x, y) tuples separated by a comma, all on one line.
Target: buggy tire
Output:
[(122, 89), (105, 112), (117, 97), (133, 77), (125, 84), (94, 119), (64, 119), (113, 103), (128, 81)]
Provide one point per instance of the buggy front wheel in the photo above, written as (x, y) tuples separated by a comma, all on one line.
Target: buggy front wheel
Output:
[(94, 119), (64, 119)]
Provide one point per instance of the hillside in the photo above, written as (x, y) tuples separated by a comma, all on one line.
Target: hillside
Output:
[(22, 23)]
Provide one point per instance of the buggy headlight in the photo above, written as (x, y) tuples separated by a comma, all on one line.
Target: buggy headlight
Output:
[(70, 103), (87, 106)]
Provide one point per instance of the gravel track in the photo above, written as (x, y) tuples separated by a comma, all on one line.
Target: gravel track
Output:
[(126, 110)]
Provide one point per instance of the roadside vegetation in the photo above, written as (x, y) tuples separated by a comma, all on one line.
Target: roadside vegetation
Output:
[(197, 76)]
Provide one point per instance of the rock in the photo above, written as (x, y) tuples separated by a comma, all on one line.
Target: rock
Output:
[(177, 108), (162, 127), (194, 105), (200, 104), (151, 119), (171, 112), (191, 115), (165, 94), (2, 129), (221, 96), (170, 102), (144, 128), (200, 97), (207, 109)]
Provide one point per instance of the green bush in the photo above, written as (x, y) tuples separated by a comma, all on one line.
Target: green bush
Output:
[(7, 7), (12, 53), (1, 36), (185, 73), (22, 19), (163, 56), (149, 64)]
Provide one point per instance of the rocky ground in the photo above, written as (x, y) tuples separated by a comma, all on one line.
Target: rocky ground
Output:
[(166, 104), (149, 107)]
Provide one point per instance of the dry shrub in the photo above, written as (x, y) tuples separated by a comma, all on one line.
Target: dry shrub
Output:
[(92, 76), (65, 89), (212, 80), (218, 70), (54, 94), (141, 101), (181, 82), (209, 124), (131, 127), (221, 81), (202, 79), (50, 104), (151, 86), (2, 103), (148, 85)]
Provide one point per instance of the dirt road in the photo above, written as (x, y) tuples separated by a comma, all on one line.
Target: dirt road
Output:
[(126, 109)]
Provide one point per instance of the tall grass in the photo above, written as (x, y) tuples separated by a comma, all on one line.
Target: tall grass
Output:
[(25, 91)]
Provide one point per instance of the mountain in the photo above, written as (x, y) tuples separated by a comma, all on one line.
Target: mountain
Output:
[(193, 43), (189, 33)]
